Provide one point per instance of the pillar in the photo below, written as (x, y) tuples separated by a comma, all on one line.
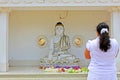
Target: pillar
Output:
[(4, 16), (115, 25)]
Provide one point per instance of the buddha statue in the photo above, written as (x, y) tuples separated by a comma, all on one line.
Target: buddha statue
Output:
[(60, 43), (59, 53)]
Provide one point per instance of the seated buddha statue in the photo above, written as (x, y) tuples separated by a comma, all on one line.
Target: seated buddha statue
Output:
[(59, 52)]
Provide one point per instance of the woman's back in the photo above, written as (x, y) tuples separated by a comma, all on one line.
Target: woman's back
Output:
[(102, 61), (102, 51)]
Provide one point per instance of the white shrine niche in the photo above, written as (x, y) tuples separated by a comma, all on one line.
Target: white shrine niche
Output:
[(26, 26), (30, 26)]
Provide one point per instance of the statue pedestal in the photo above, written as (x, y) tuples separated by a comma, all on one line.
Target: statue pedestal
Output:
[(60, 60)]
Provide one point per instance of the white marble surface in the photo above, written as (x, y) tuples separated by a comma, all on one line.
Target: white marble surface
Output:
[(34, 73), (30, 70), (23, 70)]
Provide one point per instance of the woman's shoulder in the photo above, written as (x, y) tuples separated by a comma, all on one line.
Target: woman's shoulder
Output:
[(93, 40), (114, 44), (113, 40)]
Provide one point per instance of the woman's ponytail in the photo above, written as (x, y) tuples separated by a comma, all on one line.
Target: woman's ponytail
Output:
[(103, 31)]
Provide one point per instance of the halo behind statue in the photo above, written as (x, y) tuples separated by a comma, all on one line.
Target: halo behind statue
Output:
[(77, 40), (42, 41)]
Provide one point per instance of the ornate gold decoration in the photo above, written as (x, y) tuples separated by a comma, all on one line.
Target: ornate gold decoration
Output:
[(42, 41), (77, 41), (63, 15)]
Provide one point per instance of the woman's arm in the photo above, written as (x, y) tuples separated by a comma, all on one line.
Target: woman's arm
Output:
[(87, 54), (117, 53)]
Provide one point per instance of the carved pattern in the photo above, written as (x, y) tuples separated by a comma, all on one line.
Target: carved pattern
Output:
[(28, 1), (78, 1), (53, 1), (66, 1), (4, 1), (91, 1), (103, 1), (40, 1), (81, 2), (16, 1)]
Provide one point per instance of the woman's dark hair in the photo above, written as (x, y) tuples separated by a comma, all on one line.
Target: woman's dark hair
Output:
[(103, 31)]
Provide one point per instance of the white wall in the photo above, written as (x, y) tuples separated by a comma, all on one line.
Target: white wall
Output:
[(26, 26)]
